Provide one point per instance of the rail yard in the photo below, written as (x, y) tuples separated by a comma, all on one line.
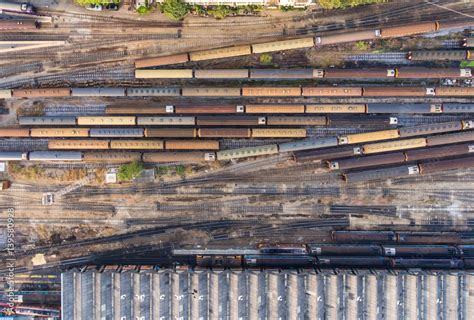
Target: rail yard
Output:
[(309, 164)]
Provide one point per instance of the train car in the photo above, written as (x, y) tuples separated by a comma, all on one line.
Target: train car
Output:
[(393, 145), (13, 156), (326, 154), (466, 250), (278, 133), (271, 91), (47, 121), (154, 92), (273, 261), (164, 74), (458, 108), (281, 73), (380, 174), (430, 129), (162, 61), (108, 156), (455, 91), (55, 156), (222, 74), (197, 157), (224, 133), (219, 53), (59, 132), (191, 145), (219, 261), (230, 121), (116, 132), (210, 92), (14, 132), (450, 138), (364, 236), (41, 93), (431, 264), (5, 94), (296, 121), (274, 108), (347, 37), (210, 109), (106, 121), (285, 249), (429, 251), (374, 73), (291, 44), (138, 110), (332, 91), (439, 55), (406, 30), (468, 42), (170, 133), (6, 7), (370, 136), (371, 120), (166, 121), (429, 238), (335, 108), (98, 92), (247, 152), (306, 144), (354, 262), (439, 152), (398, 91), (369, 161), (404, 108), (345, 250), (446, 165), (137, 144), (78, 144), (19, 25), (429, 73)]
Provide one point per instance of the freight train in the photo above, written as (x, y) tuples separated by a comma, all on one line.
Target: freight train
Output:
[(277, 74), (392, 250), (300, 43), (354, 108), (334, 91)]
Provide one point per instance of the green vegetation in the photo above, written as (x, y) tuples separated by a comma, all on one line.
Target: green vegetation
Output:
[(341, 4), (86, 3), (265, 58), (362, 46), (179, 170), (175, 9), (291, 8), (146, 9), (129, 171), (467, 64)]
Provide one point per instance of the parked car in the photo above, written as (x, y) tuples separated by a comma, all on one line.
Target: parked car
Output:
[(111, 6), (95, 7)]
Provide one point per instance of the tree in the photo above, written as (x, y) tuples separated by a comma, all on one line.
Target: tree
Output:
[(129, 171), (341, 4), (265, 58), (175, 9)]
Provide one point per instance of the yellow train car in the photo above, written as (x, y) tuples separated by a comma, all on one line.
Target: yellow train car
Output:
[(59, 132), (137, 144), (106, 121), (273, 46), (278, 133), (220, 53), (370, 136), (164, 74), (78, 144), (274, 108), (394, 145)]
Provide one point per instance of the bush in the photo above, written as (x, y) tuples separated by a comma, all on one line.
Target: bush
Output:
[(175, 9), (341, 4), (362, 46), (290, 8), (146, 9), (180, 170), (86, 3), (265, 58), (129, 171)]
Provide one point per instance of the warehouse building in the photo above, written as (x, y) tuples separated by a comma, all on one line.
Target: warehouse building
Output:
[(270, 294)]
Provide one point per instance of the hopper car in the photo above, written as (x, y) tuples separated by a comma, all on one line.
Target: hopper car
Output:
[(290, 44)]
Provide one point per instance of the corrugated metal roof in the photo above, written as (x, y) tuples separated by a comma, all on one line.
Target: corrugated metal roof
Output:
[(271, 294)]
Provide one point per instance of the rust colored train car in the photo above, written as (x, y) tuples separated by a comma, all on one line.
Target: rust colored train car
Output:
[(450, 138), (274, 108), (336, 108), (170, 133), (271, 92), (39, 93), (230, 121), (428, 73), (135, 110), (178, 157), (210, 92), (14, 132), (439, 152), (59, 132), (455, 91), (332, 91), (347, 37), (369, 161), (446, 165), (78, 144), (396, 92), (112, 156), (297, 121), (137, 144), (410, 29), (358, 73), (224, 133), (278, 133), (162, 61), (191, 145), (209, 109)]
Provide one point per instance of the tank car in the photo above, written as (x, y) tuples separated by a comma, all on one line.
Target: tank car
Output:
[(428, 238), (354, 262), (432, 264), (428, 251), (277, 261), (219, 261), (344, 250), (364, 236), (283, 249)]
